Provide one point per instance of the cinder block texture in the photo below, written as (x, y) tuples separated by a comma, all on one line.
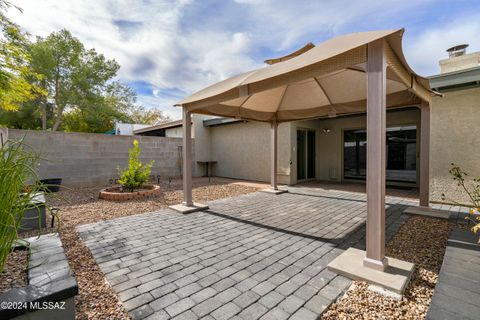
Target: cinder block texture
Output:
[(86, 159)]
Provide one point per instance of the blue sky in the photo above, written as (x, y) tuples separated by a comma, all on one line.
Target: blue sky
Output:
[(169, 49)]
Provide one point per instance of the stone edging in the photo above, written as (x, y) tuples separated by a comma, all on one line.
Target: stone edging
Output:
[(109, 194), (457, 291), (50, 281)]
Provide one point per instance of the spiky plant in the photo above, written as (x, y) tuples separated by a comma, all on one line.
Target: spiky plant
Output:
[(18, 188)]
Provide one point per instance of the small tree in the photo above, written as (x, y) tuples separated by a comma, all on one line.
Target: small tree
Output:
[(70, 75), (15, 73), (137, 173), (472, 190)]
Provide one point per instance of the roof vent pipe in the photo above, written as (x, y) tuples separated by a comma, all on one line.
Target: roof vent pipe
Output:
[(457, 51)]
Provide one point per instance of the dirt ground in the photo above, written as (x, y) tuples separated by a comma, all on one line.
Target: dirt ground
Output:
[(14, 274)]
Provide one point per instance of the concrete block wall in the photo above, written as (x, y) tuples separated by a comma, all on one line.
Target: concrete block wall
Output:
[(85, 159)]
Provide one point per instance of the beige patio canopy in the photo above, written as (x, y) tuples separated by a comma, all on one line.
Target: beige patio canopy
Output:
[(327, 80), (356, 73)]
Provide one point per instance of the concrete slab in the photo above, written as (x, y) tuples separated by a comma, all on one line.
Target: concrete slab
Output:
[(384, 292), (428, 212), (189, 209), (270, 190), (395, 278)]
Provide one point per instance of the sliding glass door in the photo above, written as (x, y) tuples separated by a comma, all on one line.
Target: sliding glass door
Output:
[(401, 154), (305, 154)]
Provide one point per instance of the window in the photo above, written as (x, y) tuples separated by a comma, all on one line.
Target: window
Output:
[(401, 154)]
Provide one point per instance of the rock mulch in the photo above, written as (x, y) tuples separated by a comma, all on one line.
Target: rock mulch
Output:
[(14, 274), (81, 206), (96, 299), (420, 240)]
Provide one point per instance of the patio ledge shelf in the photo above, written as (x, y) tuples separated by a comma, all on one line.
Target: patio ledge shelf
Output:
[(329, 80)]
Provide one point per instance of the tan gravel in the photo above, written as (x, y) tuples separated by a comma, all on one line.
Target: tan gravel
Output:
[(420, 240), (96, 299), (14, 274)]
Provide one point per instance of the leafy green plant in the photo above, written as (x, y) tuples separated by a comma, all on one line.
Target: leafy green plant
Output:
[(15, 73), (472, 190), (137, 173), (18, 188)]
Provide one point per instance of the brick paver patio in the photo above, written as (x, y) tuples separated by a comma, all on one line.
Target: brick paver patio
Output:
[(250, 257)]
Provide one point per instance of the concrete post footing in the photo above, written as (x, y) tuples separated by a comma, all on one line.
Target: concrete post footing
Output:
[(183, 208), (395, 278), (273, 191)]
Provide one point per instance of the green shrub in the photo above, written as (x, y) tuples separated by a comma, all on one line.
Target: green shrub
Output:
[(137, 173), (18, 186), (472, 190)]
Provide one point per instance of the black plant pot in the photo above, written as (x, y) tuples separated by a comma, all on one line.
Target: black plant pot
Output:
[(52, 185)]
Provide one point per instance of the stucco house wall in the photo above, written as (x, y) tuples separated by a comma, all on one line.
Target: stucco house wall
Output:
[(202, 143), (243, 151), (455, 137)]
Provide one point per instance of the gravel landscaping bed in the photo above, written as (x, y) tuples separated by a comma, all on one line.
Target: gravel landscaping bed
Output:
[(420, 240), (96, 299), (14, 274)]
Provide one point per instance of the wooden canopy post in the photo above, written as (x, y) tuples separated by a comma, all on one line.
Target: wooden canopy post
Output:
[(187, 157), (424, 208), (376, 140), (187, 206), (424, 154), (372, 265), (273, 155), (273, 160)]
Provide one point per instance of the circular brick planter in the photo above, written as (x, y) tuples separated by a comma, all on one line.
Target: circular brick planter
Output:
[(116, 194)]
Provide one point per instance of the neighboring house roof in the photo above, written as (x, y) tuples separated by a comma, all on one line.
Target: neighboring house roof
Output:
[(128, 128), (219, 121), (178, 123), (456, 80), (166, 125)]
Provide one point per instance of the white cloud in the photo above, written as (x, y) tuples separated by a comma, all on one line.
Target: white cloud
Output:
[(290, 24), (145, 38), (164, 104), (182, 46), (425, 49), (284, 23)]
